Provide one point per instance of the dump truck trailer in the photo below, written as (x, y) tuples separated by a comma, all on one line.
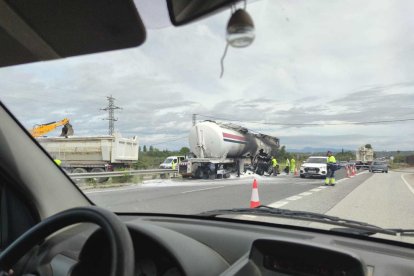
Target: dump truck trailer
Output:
[(80, 154), (364, 157)]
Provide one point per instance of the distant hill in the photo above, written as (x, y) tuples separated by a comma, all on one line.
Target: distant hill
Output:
[(393, 153), (336, 150), (317, 150)]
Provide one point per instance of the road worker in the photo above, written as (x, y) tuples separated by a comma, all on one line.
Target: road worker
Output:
[(275, 166), (287, 166), (331, 167), (292, 165)]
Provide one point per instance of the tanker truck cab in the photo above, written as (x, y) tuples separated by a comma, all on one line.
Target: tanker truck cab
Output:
[(167, 164), (314, 166)]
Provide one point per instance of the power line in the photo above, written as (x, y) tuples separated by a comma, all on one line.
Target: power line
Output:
[(312, 124), (168, 141), (111, 114)]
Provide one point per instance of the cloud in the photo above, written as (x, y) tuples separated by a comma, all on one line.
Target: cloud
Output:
[(311, 62)]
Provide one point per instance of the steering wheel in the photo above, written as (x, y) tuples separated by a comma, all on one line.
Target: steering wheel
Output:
[(122, 251)]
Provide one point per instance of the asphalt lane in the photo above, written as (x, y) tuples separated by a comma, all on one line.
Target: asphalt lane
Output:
[(386, 200), (195, 196)]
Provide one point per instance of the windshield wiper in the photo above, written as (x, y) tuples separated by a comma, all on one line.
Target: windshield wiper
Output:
[(403, 232), (263, 210)]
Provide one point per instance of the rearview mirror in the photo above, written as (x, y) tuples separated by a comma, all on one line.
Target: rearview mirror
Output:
[(185, 11)]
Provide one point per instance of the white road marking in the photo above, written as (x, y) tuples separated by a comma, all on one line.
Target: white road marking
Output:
[(199, 190), (406, 183), (278, 204), (293, 198), (283, 202)]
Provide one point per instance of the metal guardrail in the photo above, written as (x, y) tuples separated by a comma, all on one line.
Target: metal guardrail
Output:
[(118, 173)]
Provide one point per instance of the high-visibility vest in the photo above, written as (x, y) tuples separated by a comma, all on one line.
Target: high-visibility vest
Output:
[(331, 159), (173, 165), (274, 162)]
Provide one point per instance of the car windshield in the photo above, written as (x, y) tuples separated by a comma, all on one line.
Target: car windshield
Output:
[(316, 160), (319, 76), (168, 160)]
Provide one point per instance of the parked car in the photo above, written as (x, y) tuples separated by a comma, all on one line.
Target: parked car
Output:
[(342, 164), (314, 166), (379, 166)]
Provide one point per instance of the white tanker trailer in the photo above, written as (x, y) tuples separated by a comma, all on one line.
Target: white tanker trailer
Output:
[(223, 148)]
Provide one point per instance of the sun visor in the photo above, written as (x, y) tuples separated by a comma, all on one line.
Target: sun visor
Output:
[(49, 29)]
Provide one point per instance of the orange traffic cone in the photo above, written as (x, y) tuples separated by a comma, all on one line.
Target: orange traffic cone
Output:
[(254, 201), (296, 172), (354, 170)]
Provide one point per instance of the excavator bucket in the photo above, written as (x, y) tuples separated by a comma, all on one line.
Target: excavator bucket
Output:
[(67, 130)]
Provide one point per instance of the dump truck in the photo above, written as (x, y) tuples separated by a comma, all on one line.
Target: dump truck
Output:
[(364, 157), (81, 154), (219, 149)]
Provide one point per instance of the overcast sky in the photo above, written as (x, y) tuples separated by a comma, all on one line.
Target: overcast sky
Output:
[(311, 62)]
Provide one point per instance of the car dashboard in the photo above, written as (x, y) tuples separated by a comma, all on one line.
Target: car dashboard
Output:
[(178, 245)]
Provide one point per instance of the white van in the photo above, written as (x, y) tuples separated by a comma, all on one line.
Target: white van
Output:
[(167, 164)]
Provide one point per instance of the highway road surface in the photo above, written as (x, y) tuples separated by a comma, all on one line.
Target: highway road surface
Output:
[(385, 200), (187, 196), (381, 199)]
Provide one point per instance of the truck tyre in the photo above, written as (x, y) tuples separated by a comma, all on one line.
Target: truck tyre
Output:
[(79, 170), (302, 176), (198, 173), (99, 179)]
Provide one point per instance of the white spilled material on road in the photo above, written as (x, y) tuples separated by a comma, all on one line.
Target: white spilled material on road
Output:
[(305, 194), (200, 190), (406, 183), (112, 190)]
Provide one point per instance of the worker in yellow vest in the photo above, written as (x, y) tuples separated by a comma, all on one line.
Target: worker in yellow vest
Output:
[(174, 167), (292, 165), (287, 166), (275, 166), (331, 168)]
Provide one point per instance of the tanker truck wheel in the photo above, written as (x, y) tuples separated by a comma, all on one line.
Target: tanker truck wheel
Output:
[(79, 181), (199, 173), (99, 179)]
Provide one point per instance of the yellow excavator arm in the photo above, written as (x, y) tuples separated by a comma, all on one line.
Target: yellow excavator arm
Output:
[(41, 130)]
